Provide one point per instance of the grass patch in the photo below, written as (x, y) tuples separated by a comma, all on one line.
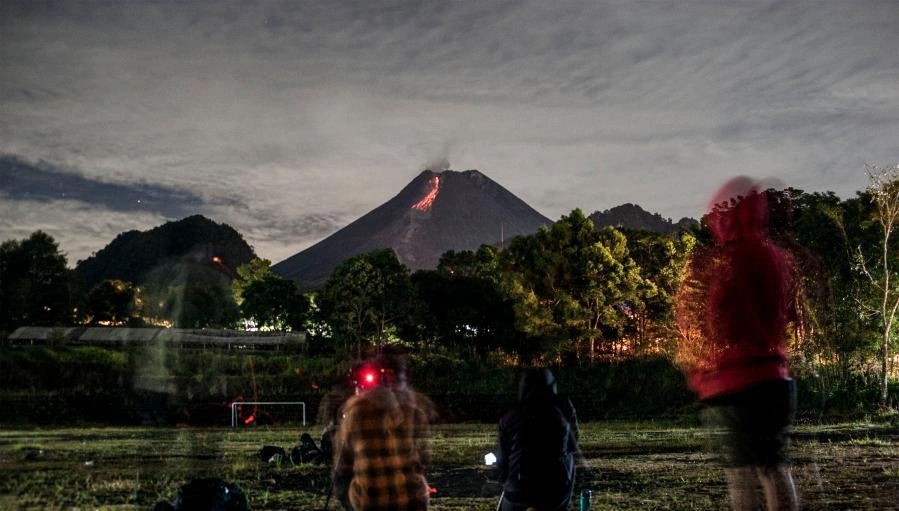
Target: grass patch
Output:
[(627, 465)]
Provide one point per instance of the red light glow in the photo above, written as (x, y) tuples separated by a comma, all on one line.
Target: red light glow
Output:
[(428, 200)]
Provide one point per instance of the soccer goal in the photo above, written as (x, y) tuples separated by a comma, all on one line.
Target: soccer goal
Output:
[(236, 404)]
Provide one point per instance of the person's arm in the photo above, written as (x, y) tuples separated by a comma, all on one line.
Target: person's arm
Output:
[(343, 459), (574, 432), (502, 456), (572, 419)]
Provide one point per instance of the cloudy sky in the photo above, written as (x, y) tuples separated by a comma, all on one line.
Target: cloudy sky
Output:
[(288, 120)]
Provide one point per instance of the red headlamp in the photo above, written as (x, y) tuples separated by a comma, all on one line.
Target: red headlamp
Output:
[(369, 375)]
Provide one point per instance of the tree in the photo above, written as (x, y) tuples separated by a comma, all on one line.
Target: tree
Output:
[(366, 298), (573, 283), (484, 263), (662, 260), (464, 311), (883, 192), (835, 341), (110, 302), (247, 273), (35, 285), (275, 303)]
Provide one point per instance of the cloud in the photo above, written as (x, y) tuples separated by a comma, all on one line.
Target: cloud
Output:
[(288, 120), (43, 183), (84, 214), (78, 228)]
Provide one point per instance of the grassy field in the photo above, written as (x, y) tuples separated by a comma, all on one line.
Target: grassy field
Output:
[(628, 466)]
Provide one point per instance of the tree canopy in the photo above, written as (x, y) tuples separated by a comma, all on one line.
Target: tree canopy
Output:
[(35, 285)]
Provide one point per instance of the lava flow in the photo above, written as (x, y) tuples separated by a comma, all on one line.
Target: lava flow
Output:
[(428, 200)]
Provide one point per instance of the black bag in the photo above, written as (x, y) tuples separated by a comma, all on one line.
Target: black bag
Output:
[(306, 451), (209, 494), (272, 454)]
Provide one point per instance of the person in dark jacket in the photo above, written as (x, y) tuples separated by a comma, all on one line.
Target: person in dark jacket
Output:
[(538, 441)]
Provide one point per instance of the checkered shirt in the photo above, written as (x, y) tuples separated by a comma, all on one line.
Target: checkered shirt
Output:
[(381, 447)]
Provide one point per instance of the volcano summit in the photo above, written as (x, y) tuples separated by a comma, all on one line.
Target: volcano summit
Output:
[(434, 213)]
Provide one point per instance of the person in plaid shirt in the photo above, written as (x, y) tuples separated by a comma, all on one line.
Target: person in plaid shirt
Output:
[(381, 446)]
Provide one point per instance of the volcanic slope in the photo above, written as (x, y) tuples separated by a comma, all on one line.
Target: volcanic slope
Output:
[(434, 213)]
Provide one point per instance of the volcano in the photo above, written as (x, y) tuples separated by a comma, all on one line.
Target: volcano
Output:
[(436, 212)]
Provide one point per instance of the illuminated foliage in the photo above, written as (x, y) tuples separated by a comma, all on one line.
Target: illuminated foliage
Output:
[(883, 275), (573, 283), (367, 298), (251, 271), (662, 259), (111, 302)]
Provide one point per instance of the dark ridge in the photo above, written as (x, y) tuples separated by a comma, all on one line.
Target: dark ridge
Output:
[(632, 216), (133, 254)]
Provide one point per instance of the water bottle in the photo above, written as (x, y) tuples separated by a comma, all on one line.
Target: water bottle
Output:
[(586, 499)]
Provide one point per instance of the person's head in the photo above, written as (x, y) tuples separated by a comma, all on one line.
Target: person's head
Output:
[(739, 210), (536, 383)]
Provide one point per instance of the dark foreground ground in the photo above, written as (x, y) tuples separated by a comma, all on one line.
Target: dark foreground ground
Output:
[(627, 465)]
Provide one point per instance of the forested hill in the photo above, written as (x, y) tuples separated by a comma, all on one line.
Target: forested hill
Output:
[(632, 216), (131, 255)]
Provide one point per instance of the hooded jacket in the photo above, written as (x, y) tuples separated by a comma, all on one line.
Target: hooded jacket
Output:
[(537, 446), (736, 303)]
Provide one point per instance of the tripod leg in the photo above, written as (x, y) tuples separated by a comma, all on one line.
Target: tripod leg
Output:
[(328, 499)]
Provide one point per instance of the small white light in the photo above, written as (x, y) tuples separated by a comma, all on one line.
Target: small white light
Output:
[(489, 458)]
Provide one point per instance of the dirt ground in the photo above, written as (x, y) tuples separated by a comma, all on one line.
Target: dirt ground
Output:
[(627, 466)]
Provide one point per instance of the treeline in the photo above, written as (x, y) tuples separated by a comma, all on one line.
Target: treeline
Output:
[(569, 295), (154, 385)]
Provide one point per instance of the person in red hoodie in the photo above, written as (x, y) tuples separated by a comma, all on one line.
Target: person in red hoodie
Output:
[(734, 312)]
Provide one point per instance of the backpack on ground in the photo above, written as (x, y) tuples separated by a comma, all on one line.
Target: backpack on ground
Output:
[(306, 451), (272, 454), (208, 494)]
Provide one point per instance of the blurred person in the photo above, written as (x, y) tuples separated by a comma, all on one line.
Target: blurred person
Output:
[(538, 441), (380, 448), (329, 412), (734, 311)]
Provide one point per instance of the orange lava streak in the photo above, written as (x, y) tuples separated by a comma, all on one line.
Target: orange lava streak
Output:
[(428, 200)]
